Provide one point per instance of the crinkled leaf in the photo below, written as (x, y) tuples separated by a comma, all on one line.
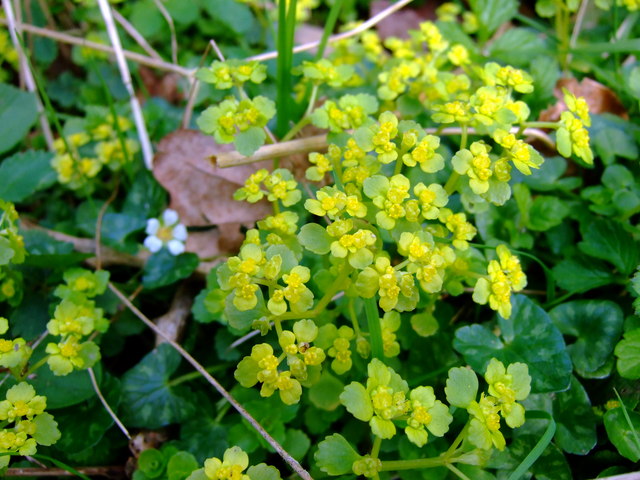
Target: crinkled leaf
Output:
[(148, 401), (628, 353), (25, 173), (163, 268), (17, 109), (596, 326), (530, 337), (621, 433), (608, 240), (335, 455), (576, 423)]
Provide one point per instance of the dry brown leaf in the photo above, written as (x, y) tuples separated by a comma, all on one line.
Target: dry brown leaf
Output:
[(201, 192), (600, 99), (163, 85), (399, 24)]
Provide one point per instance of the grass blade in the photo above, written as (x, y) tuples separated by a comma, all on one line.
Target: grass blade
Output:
[(540, 447)]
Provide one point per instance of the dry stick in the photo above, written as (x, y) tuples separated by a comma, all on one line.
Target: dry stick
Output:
[(577, 26), (143, 135), (340, 36), (73, 40), (193, 92), (106, 406), (319, 142), (109, 472), (172, 29), (293, 463), (26, 71), (136, 35), (101, 213)]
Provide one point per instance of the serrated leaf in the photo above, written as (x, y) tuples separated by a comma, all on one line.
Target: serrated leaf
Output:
[(576, 423), (493, 13), (148, 401), (517, 46), (296, 443), (596, 326), (628, 353), (621, 433), (608, 240), (335, 455), (181, 465), (530, 337), (47, 432), (163, 269), (17, 109), (25, 173), (356, 400), (262, 471), (546, 212)]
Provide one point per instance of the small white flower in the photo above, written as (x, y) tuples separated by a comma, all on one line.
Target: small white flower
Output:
[(166, 231)]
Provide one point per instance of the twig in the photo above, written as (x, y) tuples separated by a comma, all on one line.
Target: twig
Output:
[(293, 463), (136, 35), (39, 340), (577, 27), (173, 322), (26, 70), (319, 142), (143, 135), (340, 36), (73, 40), (110, 472), (106, 406), (193, 92), (172, 29), (244, 338)]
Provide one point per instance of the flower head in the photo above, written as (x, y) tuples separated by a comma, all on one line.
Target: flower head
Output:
[(166, 231)]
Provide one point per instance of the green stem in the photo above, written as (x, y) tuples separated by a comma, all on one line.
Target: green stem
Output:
[(457, 472), (452, 183), (312, 101), (415, 464), (35, 366), (456, 443), (375, 331), (276, 207), (337, 285), (463, 137), (187, 377), (304, 121), (354, 318), (375, 449)]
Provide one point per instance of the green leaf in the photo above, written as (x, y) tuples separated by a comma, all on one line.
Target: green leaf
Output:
[(235, 16), (241, 321), (575, 420), (64, 391), (517, 46), (628, 353), (612, 137), (580, 274), (315, 238), (529, 336), (424, 324), (546, 212), (296, 443), (47, 432), (152, 462), (462, 387), (634, 81), (608, 240), (249, 141), (181, 465), (163, 269), (596, 325), (262, 471), (622, 433), (335, 455), (17, 109), (493, 13), (356, 399), (46, 252), (25, 173), (325, 394), (148, 400)]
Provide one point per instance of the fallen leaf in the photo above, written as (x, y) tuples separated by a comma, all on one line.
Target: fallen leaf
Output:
[(600, 98), (161, 85), (201, 192), (399, 23)]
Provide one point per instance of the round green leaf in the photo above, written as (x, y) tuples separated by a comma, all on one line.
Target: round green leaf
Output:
[(151, 462), (622, 433), (530, 337), (17, 109), (356, 400), (325, 394), (462, 387), (596, 325), (181, 465), (335, 455), (628, 353), (262, 471), (163, 269)]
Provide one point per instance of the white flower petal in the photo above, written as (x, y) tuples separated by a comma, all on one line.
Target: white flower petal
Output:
[(169, 217), (176, 247), (153, 224), (179, 232), (153, 243)]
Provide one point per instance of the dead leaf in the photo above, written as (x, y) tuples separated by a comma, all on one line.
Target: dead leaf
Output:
[(601, 99), (163, 85), (201, 192), (399, 23)]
